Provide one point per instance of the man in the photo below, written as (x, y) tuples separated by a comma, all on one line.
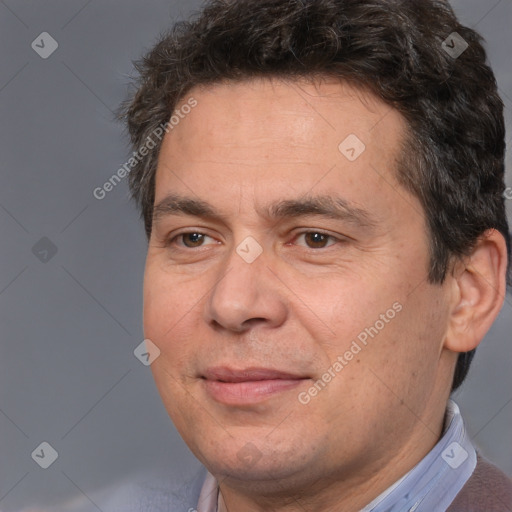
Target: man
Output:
[(322, 188)]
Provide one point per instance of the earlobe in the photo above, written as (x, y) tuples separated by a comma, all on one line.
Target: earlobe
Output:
[(479, 287)]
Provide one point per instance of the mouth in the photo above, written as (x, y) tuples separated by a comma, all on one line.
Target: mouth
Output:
[(249, 385)]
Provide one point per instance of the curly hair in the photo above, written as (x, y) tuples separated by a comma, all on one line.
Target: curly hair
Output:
[(453, 155)]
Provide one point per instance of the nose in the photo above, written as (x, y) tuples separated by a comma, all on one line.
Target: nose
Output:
[(247, 293)]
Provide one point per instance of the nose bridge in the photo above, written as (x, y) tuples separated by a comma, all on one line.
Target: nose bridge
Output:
[(244, 291)]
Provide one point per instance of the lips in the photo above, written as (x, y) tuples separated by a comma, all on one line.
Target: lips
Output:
[(224, 374), (249, 385)]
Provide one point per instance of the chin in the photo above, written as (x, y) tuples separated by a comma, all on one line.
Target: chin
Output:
[(246, 462)]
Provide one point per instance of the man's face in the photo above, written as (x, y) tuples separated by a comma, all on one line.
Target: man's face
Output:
[(265, 286)]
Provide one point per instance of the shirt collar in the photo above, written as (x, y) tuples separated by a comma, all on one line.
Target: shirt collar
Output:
[(435, 481), (431, 485)]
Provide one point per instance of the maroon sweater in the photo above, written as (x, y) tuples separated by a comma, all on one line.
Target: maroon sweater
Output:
[(487, 490)]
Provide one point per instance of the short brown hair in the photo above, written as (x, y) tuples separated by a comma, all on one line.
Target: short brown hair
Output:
[(453, 158)]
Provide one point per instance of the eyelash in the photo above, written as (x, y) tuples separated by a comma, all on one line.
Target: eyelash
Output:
[(172, 239)]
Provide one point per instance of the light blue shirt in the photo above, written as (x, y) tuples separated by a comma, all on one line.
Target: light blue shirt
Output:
[(431, 485)]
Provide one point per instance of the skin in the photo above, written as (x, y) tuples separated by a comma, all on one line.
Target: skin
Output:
[(304, 299)]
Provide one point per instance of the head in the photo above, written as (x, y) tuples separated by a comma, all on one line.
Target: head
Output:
[(293, 107)]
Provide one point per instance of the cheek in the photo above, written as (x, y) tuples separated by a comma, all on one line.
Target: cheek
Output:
[(171, 317), (352, 310), (384, 325), (160, 319), (166, 304), (406, 355)]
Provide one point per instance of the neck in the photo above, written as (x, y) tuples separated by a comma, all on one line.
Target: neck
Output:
[(339, 490)]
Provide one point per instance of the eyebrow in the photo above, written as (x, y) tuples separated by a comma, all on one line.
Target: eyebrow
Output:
[(333, 207)]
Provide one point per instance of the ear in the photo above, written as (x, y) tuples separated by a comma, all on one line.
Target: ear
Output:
[(479, 287)]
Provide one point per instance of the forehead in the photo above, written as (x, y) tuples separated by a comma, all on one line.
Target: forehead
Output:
[(265, 140), (276, 115)]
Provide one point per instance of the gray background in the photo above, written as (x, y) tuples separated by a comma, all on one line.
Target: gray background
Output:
[(68, 375)]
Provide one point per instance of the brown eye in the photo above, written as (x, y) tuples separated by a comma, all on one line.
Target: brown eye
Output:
[(316, 240), (195, 239)]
